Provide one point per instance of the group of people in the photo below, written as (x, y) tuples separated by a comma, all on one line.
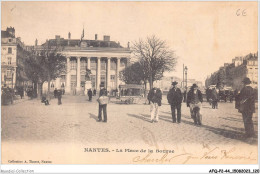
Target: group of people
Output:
[(245, 103), (175, 98)]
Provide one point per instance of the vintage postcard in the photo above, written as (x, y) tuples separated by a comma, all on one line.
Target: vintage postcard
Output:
[(129, 82)]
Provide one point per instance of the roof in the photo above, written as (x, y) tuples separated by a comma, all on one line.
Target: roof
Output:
[(5, 34), (90, 43)]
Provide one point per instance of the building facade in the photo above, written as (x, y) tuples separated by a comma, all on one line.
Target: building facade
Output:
[(12, 55), (233, 74), (104, 58)]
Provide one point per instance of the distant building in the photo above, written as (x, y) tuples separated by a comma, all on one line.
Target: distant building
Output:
[(237, 61), (165, 83), (232, 75), (12, 55), (105, 59)]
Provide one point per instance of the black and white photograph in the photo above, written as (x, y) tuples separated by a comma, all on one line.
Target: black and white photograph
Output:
[(141, 82)]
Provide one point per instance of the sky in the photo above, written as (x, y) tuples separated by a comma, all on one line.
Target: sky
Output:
[(204, 35)]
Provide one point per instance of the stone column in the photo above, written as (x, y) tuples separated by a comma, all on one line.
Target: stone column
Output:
[(98, 73), (68, 89), (117, 72), (88, 62), (108, 74), (78, 76)]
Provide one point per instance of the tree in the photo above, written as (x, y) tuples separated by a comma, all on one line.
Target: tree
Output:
[(133, 74), (53, 64), (155, 57), (45, 66)]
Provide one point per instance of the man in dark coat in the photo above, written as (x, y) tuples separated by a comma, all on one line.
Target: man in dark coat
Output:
[(246, 101), (55, 92), (59, 94), (214, 97), (174, 98), (155, 98), (194, 99), (90, 95)]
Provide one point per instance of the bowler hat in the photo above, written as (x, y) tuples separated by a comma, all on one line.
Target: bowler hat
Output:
[(194, 85), (174, 83), (246, 81)]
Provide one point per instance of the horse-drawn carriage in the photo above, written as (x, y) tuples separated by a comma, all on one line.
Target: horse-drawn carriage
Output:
[(131, 93)]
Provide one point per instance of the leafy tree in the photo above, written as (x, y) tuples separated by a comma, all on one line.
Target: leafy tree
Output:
[(133, 74), (48, 64)]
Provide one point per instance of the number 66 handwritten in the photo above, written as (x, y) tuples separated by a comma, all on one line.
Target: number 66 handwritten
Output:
[(241, 12)]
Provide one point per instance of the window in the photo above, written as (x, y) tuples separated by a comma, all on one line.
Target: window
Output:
[(10, 50), (103, 65), (10, 40), (9, 60), (9, 74), (113, 65), (73, 64), (112, 78), (73, 78), (83, 65), (122, 63), (93, 64)]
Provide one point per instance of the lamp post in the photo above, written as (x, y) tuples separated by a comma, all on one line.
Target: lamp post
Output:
[(186, 69)]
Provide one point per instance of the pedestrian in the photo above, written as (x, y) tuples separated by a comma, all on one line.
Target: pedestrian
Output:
[(246, 102), (194, 99), (214, 97), (149, 96), (21, 92), (94, 92), (59, 94), (55, 92), (174, 98), (156, 101), (103, 101), (90, 95)]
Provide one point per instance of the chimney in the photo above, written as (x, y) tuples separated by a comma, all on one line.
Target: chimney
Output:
[(128, 44), (69, 36), (106, 38), (36, 42), (96, 37), (11, 31)]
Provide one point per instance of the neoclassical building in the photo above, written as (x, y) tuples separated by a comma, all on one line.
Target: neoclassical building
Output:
[(104, 58)]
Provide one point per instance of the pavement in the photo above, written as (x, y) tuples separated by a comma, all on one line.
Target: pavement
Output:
[(76, 121)]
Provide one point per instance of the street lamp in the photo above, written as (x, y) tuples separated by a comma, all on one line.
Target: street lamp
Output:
[(186, 69)]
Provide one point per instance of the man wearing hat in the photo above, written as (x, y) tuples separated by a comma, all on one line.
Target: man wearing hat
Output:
[(174, 98), (194, 99), (246, 106)]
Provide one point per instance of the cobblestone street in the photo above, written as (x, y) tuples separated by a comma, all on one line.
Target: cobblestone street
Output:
[(75, 121)]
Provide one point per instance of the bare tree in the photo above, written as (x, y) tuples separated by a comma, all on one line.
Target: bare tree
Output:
[(155, 57)]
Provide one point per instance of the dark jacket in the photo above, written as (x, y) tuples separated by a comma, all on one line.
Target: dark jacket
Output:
[(89, 93), (174, 96), (155, 97), (103, 92), (247, 97), (214, 95), (191, 96)]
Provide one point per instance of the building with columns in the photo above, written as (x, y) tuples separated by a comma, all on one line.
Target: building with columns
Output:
[(104, 58)]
